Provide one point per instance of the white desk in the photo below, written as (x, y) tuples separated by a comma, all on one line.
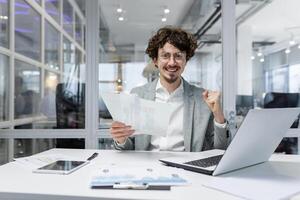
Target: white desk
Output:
[(18, 183)]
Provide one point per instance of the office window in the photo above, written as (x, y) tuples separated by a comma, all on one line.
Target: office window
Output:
[(268, 56), (4, 88), (78, 57), (48, 102), (52, 8), (27, 30), (84, 35), (39, 81), (4, 23), (27, 147), (52, 45), (107, 71), (276, 80), (27, 90), (133, 81), (268, 59), (108, 76), (80, 65), (106, 143), (78, 30), (294, 78), (3, 151), (71, 92), (38, 1), (68, 20), (68, 59)]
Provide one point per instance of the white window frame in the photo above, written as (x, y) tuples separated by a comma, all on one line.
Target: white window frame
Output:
[(10, 133)]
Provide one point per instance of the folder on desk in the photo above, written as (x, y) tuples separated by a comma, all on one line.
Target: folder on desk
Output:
[(136, 178), (132, 186)]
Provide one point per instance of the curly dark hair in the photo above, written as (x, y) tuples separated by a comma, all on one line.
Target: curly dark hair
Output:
[(178, 37)]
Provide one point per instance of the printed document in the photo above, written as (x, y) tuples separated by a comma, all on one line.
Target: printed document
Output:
[(138, 175), (145, 116)]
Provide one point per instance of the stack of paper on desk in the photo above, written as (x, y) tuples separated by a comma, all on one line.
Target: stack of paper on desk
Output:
[(145, 116), (111, 175)]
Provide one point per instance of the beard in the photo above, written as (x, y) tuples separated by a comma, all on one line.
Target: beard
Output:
[(170, 74), (170, 79)]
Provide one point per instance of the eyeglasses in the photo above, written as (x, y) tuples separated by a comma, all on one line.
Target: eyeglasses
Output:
[(179, 56)]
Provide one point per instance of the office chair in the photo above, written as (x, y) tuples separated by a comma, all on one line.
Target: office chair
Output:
[(281, 100), (70, 112), (284, 100)]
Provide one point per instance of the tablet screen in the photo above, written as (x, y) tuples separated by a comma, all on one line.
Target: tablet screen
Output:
[(63, 165)]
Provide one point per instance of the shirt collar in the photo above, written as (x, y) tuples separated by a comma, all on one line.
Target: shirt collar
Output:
[(177, 91)]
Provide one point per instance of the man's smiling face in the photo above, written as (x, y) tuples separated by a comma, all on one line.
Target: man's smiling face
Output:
[(170, 62)]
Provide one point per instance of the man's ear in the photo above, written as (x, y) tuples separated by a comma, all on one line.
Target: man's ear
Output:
[(155, 62)]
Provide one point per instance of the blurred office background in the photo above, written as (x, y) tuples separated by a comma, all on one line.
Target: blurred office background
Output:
[(45, 70)]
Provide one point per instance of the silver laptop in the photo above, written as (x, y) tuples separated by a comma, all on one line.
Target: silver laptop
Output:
[(254, 142)]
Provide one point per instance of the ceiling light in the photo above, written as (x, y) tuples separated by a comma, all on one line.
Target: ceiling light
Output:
[(3, 17), (121, 18), (52, 77), (259, 54), (262, 60), (292, 42), (299, 46), (166, 10), (119, 10), (287, 51), (164, 19), (252, 57)]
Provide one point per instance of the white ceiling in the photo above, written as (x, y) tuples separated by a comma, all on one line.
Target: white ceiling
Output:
[(142, 18), (275, 21)]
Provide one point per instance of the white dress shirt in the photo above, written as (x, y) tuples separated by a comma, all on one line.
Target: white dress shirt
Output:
[(174, 139)]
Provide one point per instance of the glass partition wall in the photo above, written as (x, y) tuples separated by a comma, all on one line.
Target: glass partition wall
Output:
[(268, 56), (42, 73)]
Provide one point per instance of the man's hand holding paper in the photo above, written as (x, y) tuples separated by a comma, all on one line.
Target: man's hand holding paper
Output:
[(120, 131), (133, 115)]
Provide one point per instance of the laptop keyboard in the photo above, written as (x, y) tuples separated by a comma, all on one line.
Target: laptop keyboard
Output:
[(206, 162)]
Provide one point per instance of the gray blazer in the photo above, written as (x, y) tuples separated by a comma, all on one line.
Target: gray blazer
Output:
[(199, 130)]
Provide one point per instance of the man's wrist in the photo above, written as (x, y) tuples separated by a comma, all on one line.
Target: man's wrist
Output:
[(120, 143), (220, 125), (219, 117)]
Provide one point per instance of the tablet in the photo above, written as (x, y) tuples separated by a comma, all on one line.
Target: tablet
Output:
[(61, 167)]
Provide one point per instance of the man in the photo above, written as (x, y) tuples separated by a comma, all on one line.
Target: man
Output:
[(198, 122)]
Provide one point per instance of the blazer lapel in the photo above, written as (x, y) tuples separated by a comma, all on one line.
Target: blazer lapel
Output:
[(149, 94), (188, 113)]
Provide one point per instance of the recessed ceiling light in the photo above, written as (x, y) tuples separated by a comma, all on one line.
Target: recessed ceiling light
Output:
[(119, 10), (292, 42), (121, 18), (287, 51), (259, 54), (3, 17), (164, 19), (166, 10), (252, 57), (262, 60)]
